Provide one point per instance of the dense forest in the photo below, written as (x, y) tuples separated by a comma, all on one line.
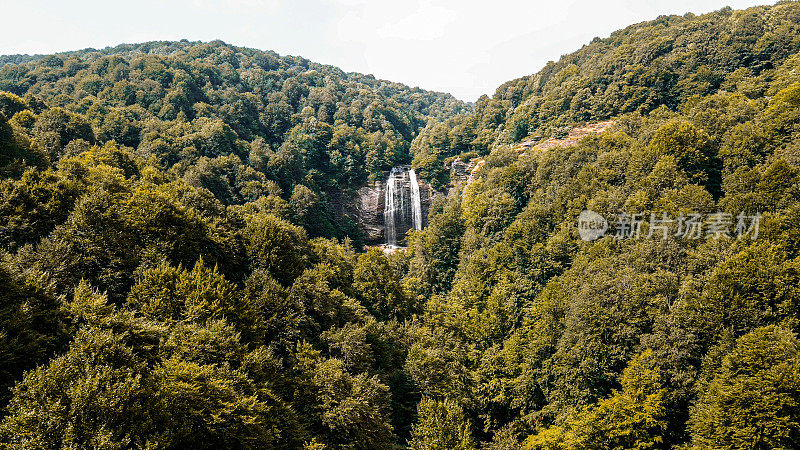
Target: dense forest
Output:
[(239, 123), (174, 272)]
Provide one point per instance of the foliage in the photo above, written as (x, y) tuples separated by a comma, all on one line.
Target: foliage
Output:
[(442, 426), (752, 399), (179, 268)]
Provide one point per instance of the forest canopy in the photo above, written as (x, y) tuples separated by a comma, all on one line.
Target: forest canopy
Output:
[(174, 272)]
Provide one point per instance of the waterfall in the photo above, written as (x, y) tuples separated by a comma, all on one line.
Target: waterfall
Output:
[(402, 205), (390, 209), (416, 204)]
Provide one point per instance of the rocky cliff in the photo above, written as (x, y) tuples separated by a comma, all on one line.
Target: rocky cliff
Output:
[(370, 204)]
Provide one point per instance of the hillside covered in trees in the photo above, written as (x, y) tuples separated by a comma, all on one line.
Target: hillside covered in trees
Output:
[(240, 123), (174, 275)]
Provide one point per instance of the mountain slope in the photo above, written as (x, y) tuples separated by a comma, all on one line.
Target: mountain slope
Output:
[(229, 119), (160, 288), (655, 338), (662, 62)]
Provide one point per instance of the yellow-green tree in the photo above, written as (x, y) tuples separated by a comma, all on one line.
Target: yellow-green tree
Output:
[(633, 418), (753, 399)]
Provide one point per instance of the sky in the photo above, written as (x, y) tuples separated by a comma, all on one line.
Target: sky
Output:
[(464, 47)]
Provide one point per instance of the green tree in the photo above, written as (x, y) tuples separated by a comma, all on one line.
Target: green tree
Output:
[(753, 399), (55, 128), (124, 383), (693, 150), (166, 293), (31, 324), (277, 246), (379, 287), (17, 152), (442, 426), (634, 417)]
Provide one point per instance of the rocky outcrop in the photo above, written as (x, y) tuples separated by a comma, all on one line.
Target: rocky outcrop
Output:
[(459, 170), (572, 138), (463, 173), (369, 212)]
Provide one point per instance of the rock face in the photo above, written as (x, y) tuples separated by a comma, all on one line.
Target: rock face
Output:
[(369, 212), (572, 138), (458, 169), (371, 203), (463, 173)]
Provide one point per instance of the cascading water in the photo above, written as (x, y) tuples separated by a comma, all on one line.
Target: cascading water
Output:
[(402, 205), (390, 208), (416, 204)]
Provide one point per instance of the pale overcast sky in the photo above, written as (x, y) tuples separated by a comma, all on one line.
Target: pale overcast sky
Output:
[(464, 47)]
